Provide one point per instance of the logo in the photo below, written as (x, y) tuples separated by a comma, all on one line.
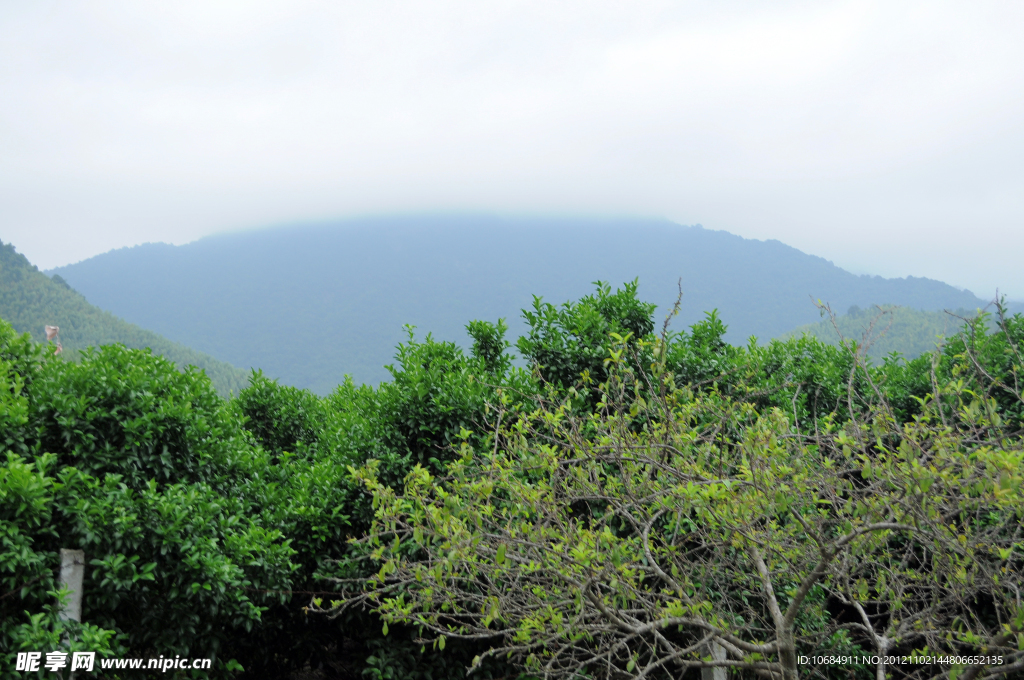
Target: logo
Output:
[(55, 661)]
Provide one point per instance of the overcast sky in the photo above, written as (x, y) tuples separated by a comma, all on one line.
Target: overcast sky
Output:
[(887, 137)]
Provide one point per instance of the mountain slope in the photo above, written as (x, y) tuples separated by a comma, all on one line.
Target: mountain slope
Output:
[(909, 332), (311, 303), (29, 300)]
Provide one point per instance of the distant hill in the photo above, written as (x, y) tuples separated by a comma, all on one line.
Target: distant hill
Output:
[(311, 303), (29, 300), (909, 332)]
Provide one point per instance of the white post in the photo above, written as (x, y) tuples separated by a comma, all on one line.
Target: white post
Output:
[(717, 653), (72, 571)]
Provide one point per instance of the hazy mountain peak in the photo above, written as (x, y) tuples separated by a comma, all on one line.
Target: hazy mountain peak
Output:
[(309, 303)]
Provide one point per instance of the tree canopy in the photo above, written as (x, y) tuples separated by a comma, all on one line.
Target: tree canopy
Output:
[(720, 520), (633, 500)]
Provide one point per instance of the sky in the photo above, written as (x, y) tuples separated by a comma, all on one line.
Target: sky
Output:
[(886, 137)]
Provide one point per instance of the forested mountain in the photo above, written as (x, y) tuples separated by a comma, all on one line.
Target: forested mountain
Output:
[(30, 300), (888, 329), (311, 303)]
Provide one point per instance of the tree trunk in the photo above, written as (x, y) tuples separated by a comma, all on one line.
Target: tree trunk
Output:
[(717, 653), (883, 649), (787, 655)]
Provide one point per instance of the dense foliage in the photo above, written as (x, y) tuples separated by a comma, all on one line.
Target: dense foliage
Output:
[(220, 527), (30, 300), (711, 506), (123, 456), (641, 538)]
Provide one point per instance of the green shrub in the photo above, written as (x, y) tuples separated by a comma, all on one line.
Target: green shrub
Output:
[(136, 464), (131, 413)]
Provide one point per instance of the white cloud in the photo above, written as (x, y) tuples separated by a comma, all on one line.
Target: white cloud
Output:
[(884, 136)]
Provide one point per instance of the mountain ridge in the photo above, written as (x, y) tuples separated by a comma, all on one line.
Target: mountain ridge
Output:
[(310, 303)]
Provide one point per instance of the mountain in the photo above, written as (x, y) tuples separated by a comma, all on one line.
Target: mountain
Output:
[(311, 303), (30, 300)]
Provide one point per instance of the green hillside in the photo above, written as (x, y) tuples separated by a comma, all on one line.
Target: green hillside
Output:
[(887, 329), (29, 300)]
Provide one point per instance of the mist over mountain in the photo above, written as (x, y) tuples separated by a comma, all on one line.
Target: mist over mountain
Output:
[(311, 303)]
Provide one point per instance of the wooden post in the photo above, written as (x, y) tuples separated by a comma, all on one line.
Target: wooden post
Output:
[(717, 653), (72, 571)]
